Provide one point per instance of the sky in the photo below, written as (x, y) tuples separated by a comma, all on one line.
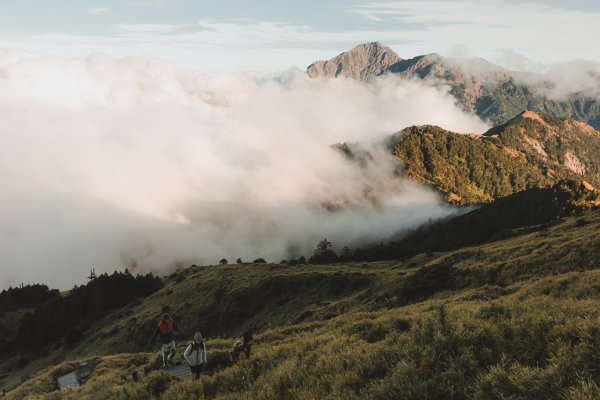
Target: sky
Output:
[(271, 35)]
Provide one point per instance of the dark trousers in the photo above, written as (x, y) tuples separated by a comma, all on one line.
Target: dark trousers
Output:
[(196, 370)]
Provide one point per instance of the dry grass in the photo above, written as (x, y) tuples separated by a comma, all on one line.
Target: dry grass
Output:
[(520, 320)]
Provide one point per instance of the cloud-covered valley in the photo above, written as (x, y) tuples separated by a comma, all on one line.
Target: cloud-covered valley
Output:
[(111, 163)]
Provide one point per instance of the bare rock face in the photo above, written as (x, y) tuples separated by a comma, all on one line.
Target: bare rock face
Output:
[(362, 62)]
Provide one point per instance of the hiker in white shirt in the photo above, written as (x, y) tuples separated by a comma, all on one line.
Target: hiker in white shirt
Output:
[(195, 355)]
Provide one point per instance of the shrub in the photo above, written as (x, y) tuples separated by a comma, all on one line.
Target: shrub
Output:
[(323, 253), (157, 383), (137, 361)]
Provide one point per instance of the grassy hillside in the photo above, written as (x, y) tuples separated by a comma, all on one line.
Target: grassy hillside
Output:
[(530, 210), (532, 150), (516, 318), (534, 340)]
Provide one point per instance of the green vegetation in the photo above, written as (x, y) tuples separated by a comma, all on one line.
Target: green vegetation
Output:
[(544, 138), (523, 344), (48, 322), (498, 303), (26, 296), (529, 151), (532, 209), (512, 319), (323, 254), (466, 170), (499, 103)]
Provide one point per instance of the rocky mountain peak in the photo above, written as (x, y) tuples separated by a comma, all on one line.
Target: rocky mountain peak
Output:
[(494, 93), (361, 62)]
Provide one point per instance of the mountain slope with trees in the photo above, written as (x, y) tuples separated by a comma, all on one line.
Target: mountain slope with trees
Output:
[(531, 150)]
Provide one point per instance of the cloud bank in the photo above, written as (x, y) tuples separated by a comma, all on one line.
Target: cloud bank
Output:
[(564, 80), (111, 163)]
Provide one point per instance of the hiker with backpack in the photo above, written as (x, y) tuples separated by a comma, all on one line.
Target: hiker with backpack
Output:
[(244, 346), (195, 355), (165, 329)]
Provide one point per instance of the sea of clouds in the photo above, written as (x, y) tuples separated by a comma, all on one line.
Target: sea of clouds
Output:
[(136, 163)]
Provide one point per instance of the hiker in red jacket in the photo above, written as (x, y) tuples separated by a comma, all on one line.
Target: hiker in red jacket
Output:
[(165, 330)]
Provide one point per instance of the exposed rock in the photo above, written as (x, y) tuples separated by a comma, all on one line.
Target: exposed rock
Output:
[(588, 186), (362, 62), (573, 163), (537, 146)]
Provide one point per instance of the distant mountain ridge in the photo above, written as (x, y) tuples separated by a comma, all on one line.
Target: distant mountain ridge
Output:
[(531, 150), (361, 62), (493, 93)]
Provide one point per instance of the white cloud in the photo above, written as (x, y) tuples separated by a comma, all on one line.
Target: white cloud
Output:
[(517, 62), (107, 161), (98, 10), (231, 44), (149, 28), (153, 3), (543, 32), (563, 80)]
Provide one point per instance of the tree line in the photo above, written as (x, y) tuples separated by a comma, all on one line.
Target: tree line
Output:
[(25, 296), (63, 318)]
